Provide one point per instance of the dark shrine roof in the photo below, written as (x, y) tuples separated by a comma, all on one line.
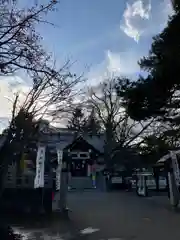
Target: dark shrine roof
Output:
[(86, 143)]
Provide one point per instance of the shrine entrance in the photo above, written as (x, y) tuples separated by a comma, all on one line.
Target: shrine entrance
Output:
[(83, 155), (82, 170), (79, 168)]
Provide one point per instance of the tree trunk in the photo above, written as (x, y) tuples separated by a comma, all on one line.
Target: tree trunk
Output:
[(3, 173), (6, 153), (110, 144)]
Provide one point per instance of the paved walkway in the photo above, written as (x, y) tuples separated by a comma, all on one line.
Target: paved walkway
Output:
[(120, 215)]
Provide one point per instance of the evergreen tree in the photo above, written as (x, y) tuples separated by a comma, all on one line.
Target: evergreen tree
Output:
[(77, 120), (158, 95), (92, 125)]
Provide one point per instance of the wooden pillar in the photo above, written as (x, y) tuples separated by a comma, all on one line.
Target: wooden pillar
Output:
[(89, 170)]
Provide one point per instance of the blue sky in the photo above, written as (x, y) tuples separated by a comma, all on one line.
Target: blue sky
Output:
[(102, 36), (98, 34)]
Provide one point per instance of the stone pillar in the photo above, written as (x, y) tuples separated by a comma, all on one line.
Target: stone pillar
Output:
[(59, 181), (63, 185), (63, 192), (174, 179), (173, 191), (142, 187), (59, 168)]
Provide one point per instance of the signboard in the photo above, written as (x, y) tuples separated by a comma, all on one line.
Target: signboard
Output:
[(39, 178), (116, 179)]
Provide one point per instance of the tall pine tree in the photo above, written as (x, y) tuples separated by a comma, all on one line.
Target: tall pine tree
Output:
[(158, 95)]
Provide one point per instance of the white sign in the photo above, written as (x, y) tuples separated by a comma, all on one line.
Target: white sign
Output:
[(59, 168), (116, 179), (39, 178)]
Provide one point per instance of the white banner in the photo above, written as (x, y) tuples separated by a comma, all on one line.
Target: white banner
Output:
[(175, 166), (59, 168), (39, 178)]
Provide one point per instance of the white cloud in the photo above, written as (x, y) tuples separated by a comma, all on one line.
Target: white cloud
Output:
[(146, 17), (133, 13), (123, 63), (9, 86), (115, 63)]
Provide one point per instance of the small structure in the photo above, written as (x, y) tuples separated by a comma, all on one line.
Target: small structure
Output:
[(171, 163), (142, 183), (85, 156), (86, 153)]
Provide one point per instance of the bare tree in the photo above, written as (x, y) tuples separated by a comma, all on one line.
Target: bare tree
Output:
[(20, 43), (49, 92), (53, 88), (109, 110), (120, 130)]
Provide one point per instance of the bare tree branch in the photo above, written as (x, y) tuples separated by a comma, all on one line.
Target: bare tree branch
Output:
[(20, 44)]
